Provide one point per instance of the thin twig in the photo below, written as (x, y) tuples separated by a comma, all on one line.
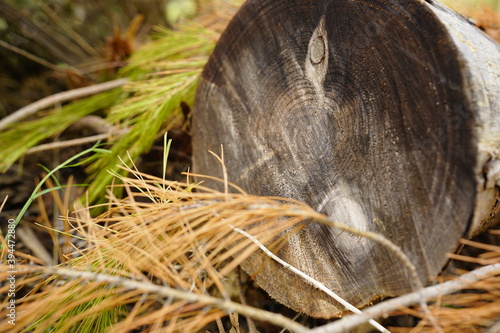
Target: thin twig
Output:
[(411, 269), (32, 242), (251, 325), (475, 260), (74, 142), (72, 33), (59, 98), (284, 329), (220, 326), (482, 246), (165, 291), (309, 279), (92, 68), (396, 250), (224, 170), (377, 238), (30, 56), (92, 122), (4, 202), (349, 322)]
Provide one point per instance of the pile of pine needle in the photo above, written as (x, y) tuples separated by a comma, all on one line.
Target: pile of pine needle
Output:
[(134, 110), (166, 257), (161, 258)]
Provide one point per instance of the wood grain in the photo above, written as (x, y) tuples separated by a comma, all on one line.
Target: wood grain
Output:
[(370, 111)]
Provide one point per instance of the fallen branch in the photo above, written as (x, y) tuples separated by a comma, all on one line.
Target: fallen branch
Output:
[(74, 142), (309, 279), (59, 98), (165, 291), (378, 238), (349, 322), (396, 250)]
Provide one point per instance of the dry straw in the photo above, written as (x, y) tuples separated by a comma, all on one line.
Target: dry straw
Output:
[(162, 237), (164, 258)]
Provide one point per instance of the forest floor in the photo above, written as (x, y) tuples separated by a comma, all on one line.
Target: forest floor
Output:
[(30, 70)]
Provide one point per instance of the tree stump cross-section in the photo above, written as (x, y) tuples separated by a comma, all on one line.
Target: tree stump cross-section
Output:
[(383, 115)]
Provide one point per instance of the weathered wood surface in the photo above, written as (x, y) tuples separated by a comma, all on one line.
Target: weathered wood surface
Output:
[(382, 114)]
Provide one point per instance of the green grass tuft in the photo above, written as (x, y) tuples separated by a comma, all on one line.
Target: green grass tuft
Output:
[(162, 74), (21, 136)]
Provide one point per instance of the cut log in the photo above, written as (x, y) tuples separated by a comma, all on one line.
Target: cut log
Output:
[(382, 114)]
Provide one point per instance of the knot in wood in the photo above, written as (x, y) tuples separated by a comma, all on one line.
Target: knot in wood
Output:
[(317, 51)]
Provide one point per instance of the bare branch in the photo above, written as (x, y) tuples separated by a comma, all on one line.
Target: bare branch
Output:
[(59, 98), (74, 142), (309, 279), (349, 322), (378, 238), (396, 250), (165, 291)]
